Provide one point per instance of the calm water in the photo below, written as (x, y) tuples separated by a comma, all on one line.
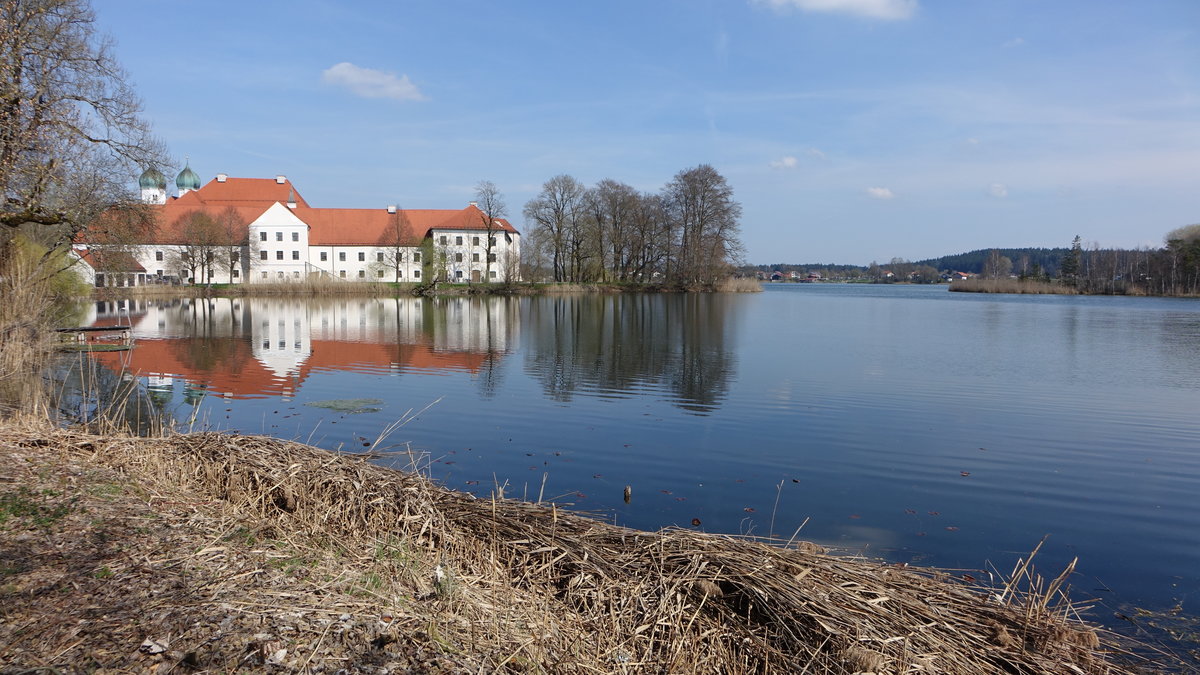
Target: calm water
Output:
[(907, 423)]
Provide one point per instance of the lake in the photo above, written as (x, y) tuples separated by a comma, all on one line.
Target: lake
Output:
[(900, 422)]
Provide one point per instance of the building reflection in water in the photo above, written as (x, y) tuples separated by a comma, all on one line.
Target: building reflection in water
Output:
[(258, 347)]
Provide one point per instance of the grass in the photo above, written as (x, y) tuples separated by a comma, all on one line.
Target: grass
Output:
[(429, 575), (38, 509)]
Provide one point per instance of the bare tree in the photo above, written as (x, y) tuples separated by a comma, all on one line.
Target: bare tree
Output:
[(396, 242), (557, 211), (704, 219), (203, 246), (233, 236), (71, 131), (613, 206), (491, 204)]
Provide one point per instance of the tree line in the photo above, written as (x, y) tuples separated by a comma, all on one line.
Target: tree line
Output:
[(685, 235), (1173, 269)]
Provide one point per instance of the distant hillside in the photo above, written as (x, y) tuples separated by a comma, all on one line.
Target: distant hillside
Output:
[(1023, 259)]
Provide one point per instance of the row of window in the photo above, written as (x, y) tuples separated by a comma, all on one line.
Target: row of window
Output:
[(262, 236), (458, 240), (341, 255), (362, 256)]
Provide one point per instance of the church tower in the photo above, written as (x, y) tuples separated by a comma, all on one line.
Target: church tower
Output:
[(153, 186), (187, 180)]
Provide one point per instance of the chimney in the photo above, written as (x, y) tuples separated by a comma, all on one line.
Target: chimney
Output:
[(391, 208), (281, 179), (473, 204), (291, 202), (222, 177)]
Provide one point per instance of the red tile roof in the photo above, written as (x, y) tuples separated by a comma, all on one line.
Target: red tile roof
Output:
[(245, 199), (261, 192)]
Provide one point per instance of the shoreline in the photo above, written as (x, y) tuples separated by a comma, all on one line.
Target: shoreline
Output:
[(387, 289), (221, 551)]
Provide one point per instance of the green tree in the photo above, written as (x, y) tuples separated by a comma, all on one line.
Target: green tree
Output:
[(1069, 270)]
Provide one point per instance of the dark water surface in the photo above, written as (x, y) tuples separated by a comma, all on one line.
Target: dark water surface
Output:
[(907, 423)]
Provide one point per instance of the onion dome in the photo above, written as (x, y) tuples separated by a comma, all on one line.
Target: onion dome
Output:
[(188, 179), (152, 179)]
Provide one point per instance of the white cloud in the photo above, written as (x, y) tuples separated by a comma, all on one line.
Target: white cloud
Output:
[(998, 190), (872, 9), (1015, 42), (371, 83), (788, 162), (880, 193), (813, 152)]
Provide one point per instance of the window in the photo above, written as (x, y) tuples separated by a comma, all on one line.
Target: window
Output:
[(342, 274), (295, 255), (236, 274), (262, 236), (158, 256), (342, 256), (295, 236), (280, 274), (262, 255), (417, 256), (158, 272), (324, 256), (279, 255), (492, 274), (416, 274), (362, 256), (379, 256), (278, 236), (474, 257), (296, 274), (234, 257), (457, 257), (362, 274), (458, 241), (264, 274), (491, 241), (474, 241), (442, 240), (491, 257), (457, 274), (379, 273)]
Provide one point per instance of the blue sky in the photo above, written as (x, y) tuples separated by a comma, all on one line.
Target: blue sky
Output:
[(850, 130)]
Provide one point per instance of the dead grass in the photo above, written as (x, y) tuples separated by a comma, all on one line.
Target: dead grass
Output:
[(234, 552), (739, 285), (1012, 286)]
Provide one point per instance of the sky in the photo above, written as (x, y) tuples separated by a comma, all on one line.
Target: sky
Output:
[(850, 131)]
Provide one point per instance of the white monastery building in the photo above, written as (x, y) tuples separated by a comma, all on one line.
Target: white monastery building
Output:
[(247, 230)]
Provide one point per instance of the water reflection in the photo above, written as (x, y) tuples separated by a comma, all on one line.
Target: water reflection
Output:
[(609, 346), (619, 346), (251, 348)]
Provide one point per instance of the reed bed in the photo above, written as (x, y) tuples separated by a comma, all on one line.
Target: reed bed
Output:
[(1025, 286), (739, 285), (497, 585)]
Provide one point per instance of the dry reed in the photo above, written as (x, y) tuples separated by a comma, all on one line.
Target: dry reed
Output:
[(504, 586), (1026, 286), (739, 285)]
